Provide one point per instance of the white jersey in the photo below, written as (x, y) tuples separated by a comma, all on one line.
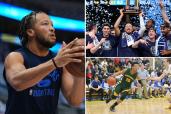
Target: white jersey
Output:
[(168, 71)]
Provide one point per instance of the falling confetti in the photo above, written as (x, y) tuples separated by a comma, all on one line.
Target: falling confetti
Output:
[(101, 11)]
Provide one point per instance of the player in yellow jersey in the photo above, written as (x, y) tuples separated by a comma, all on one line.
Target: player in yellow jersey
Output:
[(129, 75)]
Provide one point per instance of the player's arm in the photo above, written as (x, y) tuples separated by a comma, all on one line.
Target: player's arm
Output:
[(117, 23), (96, 47), (119, 73), (73, 88), (140, 41), (89, 45), (163, 11), (138, 78), (142, 25), (157, 78), (140, 32), (165, 52), (21, 78)]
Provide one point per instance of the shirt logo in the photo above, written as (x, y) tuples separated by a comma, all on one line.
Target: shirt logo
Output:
[(107, 45), (45, 86), (44, 83)]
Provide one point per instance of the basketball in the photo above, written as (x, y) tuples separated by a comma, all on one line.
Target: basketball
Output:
[(77, 69), (111, 81)]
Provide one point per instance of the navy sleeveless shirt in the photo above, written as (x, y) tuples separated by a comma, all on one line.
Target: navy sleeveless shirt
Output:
[(42, 98)]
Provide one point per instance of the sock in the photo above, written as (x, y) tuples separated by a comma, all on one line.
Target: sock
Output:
[(115, 104)]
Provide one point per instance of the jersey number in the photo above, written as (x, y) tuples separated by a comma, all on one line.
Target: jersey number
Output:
[(128, 80)]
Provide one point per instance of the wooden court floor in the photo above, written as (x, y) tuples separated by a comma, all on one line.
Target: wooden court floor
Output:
[(130, 106)]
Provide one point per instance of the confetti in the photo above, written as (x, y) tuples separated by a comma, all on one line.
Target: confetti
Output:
[(100, 11)]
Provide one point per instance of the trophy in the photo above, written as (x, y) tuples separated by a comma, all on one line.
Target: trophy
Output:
[(132, 7)]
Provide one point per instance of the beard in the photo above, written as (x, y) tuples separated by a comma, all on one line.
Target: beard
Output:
[(105, 35), (44, 41)]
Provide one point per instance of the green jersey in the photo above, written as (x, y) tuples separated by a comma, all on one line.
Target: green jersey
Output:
[(128, 78), (125, 85)]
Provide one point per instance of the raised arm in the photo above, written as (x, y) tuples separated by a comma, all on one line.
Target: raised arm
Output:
[(117, 23), (163, 11), (142, 25)]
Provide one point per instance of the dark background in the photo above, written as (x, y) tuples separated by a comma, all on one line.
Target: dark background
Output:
[(73, 9)]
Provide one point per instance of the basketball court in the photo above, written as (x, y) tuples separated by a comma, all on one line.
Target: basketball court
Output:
[(130, 106)]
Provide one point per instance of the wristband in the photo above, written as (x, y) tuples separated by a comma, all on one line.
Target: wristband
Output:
[(54, 63)]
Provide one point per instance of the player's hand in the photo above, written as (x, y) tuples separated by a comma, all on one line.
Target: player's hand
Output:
[(102, 40), (92, 35), (143, 41), (121, 12), (89, 45), (68, 54), (141, 13), (164, 52), (138, 85), (161, 4), (148, 79)]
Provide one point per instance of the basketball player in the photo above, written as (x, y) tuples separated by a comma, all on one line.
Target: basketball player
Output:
[(129, 37), (34, 75), (163, 47), (129, 75), (166, 72), (163, 11)]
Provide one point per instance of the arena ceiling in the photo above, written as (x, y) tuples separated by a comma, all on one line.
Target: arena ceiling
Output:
[(73, 9)]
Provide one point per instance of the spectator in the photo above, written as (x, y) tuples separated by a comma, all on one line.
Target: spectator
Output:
[(95, 86), (143, 74)]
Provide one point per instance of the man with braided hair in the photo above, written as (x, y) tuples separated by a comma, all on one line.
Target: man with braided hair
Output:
[(123, 88), (34, 74)]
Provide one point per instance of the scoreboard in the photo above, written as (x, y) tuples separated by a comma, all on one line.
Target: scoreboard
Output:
[(121, 2)]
